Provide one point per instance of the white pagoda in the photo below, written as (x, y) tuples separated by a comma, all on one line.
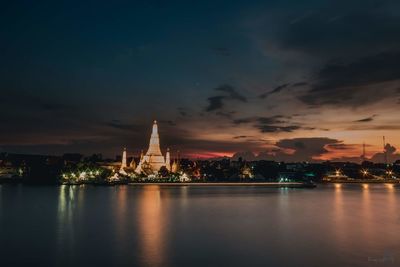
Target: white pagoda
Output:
[(123, 163), (153, 160)]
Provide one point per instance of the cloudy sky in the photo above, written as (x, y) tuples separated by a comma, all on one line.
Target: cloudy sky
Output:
[(290, 80)]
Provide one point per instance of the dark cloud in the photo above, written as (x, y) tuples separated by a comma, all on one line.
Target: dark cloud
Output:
[(352, 97), (299, 84), (167, 122), (366, 127), (227, 114), (189, 145), (341, 29), (215, 102), (123, 126), (342, 146), (277, 129), (279, 88), (261, 120), (368, 119), (273, 124), (351, 46), (241, 136), (295, 150), (304, 149), (271, 120), (182, 111), (350, 83), (274, 91), (243, 120), (232, 93)]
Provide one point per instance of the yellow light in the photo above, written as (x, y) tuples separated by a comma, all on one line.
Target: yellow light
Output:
[(338, 186), (365, 186), (389, 186)]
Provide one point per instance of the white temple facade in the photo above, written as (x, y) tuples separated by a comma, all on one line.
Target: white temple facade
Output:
[(153, 160), (123, 163)]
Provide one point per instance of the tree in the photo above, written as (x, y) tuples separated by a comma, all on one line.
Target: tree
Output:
[(163, 172)]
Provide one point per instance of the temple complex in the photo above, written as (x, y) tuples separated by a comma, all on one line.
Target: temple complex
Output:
[(153, 160)]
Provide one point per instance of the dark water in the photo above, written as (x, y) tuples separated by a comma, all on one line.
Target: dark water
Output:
[(350, 225)]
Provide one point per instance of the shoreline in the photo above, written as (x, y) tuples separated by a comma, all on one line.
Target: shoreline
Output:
[(216, 183), (361, 182), (264, 184)]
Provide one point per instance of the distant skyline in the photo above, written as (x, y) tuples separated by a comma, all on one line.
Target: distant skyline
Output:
[(292, 80)]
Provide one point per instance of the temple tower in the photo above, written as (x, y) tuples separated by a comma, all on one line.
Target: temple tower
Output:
[(132, 165), (153, 160), (168, 160), (154, 146), (175, 167), (123, 163)]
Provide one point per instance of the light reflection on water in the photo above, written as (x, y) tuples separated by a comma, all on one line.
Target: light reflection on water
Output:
[(121, 212), (335, 225), (70, 201), (150, 226), (338, 207)]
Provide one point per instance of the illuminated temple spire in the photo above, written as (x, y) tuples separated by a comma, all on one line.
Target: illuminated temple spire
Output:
[(154, 147), (123, 163), (154, 159), (168, 160), (141, 155)]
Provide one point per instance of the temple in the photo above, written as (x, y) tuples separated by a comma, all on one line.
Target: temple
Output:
[(123, 163), (153, 160)]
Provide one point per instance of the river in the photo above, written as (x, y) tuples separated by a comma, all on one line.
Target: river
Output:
[(331, 225)]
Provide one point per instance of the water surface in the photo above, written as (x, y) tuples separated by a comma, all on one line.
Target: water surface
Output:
[(348, 225)]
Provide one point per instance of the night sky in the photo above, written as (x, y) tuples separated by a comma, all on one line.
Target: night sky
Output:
[(288, 80)]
